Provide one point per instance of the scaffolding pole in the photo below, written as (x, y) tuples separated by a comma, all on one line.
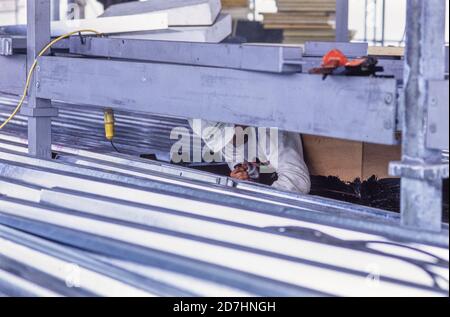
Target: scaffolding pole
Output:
[(421, 168)]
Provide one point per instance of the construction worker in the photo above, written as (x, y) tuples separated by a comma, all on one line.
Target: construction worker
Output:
[(278, 155)]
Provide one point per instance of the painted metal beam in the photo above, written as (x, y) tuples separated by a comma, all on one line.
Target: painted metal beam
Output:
[(13, 74), (355, 108), (269, 58), (39, 110), (342, 32)]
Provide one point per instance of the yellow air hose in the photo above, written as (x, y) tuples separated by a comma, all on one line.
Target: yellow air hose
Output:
[(33, 67)]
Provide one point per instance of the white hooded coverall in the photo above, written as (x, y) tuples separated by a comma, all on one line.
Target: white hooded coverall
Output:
[(288, 159)]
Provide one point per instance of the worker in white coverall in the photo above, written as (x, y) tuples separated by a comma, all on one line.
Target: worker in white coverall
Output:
[(277, 152)]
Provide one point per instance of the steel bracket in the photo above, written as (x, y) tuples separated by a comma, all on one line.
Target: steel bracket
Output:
[(421, 171)]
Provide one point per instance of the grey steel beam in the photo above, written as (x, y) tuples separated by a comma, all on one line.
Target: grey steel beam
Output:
[(319, 49), (38, 110), (20, 29), (12, 44), (342, 32), (362, 109), (102, 245), (13, 74), (269, 58), (55, 7), (421, 196)]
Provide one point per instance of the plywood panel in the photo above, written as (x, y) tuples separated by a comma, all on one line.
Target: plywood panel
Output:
[(333, 157), (348, 160), (376, 159)]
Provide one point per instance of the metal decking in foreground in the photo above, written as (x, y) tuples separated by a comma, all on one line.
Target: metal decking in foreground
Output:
[(116, 224)]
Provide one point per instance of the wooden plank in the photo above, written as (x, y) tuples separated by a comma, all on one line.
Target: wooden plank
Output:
[(348, 160), (386, 51), (13, 74), (303, 20)]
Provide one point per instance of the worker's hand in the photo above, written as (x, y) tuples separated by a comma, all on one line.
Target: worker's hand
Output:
[(240, 172)]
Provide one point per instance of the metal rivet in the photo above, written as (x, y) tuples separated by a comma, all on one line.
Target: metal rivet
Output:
[(388, 99), (38, 84), (433, 101)]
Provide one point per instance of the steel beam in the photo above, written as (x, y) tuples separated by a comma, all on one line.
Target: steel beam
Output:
[(438, 115), (342, 33), (39, 110), (421, 198), (270, 58), (13, 74), (355, 108)]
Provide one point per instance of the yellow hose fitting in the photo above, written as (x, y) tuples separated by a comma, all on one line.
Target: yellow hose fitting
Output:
[(109, 124)]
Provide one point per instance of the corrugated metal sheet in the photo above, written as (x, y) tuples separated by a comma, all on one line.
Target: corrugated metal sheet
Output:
[(83, 127), (93, 222)]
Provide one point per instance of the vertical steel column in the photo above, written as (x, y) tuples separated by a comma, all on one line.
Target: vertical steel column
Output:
[(342, 34), (421, 168), (383, 22), (39, 111)]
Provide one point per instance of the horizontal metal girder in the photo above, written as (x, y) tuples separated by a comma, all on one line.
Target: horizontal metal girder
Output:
[(266, 210), (13, 71), (269, 58), (355, 108)]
